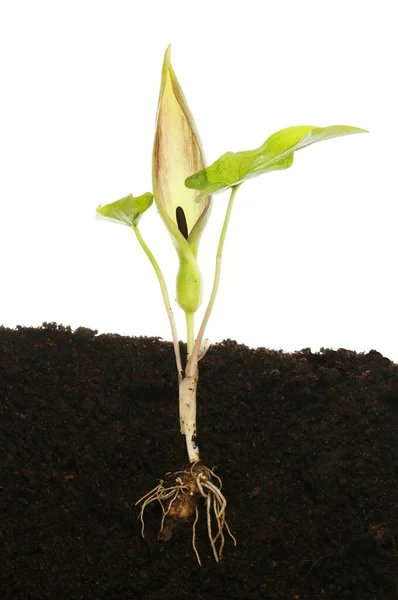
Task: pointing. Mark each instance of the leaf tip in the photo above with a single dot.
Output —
(358, 130)
(167, 55)
(166, 62)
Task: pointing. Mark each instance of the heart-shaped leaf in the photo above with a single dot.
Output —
(275, 154)
(127, 210)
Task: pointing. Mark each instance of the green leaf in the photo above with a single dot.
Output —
(127, 210)
(275, 154)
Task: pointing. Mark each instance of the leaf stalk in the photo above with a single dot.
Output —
(198, 343)
(166, 300)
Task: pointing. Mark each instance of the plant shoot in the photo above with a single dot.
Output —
(182, 187)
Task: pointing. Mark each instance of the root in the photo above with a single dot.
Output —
(180, 501)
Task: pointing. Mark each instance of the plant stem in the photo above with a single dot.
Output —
(190, 319)
(187, 399)
(195, 352)
(188, 385)
(166, 300)
(187, 394)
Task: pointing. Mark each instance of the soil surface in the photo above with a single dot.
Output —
(306, 445)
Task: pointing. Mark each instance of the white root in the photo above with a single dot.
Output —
(197, 481)
(161, 494)
(194, 536)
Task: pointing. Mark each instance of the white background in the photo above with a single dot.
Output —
(311, 255)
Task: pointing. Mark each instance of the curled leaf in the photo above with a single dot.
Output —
(177, 153)
(127, 210)
(275, 154)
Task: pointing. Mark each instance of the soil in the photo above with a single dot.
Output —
(306, 445)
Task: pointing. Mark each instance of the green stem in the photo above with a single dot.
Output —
(166, 300)
(190, 319)
(195, 352)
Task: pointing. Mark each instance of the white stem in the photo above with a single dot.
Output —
(187, 395)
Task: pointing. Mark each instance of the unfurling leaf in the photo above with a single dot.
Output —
(275, 154)
(127, 210)
(177, 153)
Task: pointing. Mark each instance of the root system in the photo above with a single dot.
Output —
(181, 500)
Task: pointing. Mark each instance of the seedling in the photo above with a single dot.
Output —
(182, 189)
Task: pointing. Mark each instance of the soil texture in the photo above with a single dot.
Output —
(306, 445)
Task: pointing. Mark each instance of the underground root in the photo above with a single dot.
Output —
(180, 501)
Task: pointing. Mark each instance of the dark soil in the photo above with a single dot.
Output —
(306, 445)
